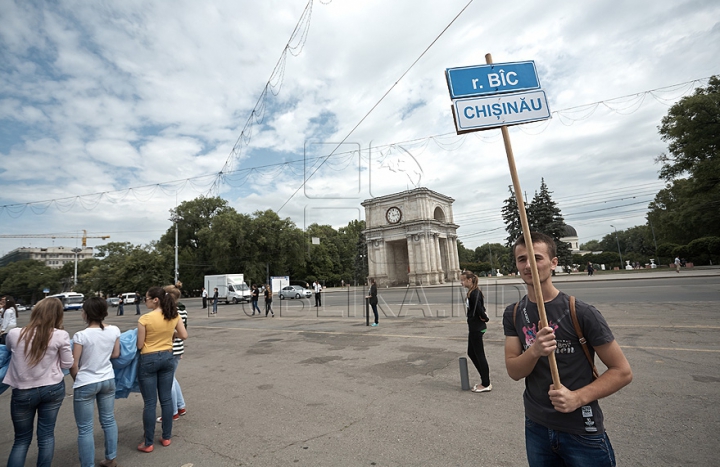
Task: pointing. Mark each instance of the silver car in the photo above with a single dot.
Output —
(294, 291)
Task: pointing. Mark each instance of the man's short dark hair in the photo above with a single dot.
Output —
(538, 237)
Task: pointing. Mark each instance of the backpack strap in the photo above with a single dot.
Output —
(583, 341)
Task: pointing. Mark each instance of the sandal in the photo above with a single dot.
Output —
(480, 388)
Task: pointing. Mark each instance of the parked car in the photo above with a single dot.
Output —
(113, 301)
(129, 298)
(20, 307)
(294, 291)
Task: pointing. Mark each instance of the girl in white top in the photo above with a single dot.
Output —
(9, 318)
(95, 381)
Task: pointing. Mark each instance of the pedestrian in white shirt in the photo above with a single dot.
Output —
(94, 378)
(9, 319)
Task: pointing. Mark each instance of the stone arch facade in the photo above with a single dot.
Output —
(411, 238)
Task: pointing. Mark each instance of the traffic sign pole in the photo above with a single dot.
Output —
(528, 241)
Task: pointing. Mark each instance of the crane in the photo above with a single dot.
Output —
(84, 236)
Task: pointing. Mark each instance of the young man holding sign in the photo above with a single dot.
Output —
(563, 426)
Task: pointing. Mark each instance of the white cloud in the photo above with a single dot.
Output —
(99, 98)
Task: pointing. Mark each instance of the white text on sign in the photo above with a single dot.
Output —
(497, 79)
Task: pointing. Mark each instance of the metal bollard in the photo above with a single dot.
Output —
(464, 379)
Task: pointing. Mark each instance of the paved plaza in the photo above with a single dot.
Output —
(311, 391)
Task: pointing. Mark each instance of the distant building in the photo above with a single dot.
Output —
(54, 257)
(571, 238)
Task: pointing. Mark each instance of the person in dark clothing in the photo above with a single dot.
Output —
(373, 299)
(215, 301)
(137, 303)
(476, 319)
(121, 306)
(254, 299)
(268, 301)
(204, 297)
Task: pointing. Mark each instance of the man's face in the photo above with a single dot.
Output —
(545, 264)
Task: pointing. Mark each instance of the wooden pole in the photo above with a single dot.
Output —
(528, 240)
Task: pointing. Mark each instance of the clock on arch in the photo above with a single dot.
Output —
(393, 215)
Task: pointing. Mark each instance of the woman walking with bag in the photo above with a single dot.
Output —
(95, 381)
(268, 301)
(476, 319)
(156, 367)
(40, 351)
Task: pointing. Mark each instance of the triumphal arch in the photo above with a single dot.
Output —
(411, 238)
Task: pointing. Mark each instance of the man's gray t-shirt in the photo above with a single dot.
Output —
(574, 368)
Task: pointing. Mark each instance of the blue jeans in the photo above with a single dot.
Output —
(155, 376)
(215, 302)
(551, 448)
(374, 309)
(46, 401)
(178, 401)
(84, 406)
(256, 307)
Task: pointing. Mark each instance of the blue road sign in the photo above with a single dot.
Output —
(492, 79)
(501, 110)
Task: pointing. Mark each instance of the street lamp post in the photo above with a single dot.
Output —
(618, 244)
(175, 218)
(76, 251)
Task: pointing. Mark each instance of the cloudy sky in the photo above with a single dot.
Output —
(113, 112)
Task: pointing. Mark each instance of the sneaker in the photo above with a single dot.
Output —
(373, 324)
(182, 411)
(175, 417)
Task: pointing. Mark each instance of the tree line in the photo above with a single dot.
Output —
(213, 238)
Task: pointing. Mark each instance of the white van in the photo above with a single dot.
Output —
(128, 298)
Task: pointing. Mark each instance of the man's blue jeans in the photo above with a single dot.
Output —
(551, 448)
(155, 376)
(84, 406)
(46, 401)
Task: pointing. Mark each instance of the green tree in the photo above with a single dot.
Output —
(689, 206)
(592, 245)
(25, 280)
(465, 255)
(193, 218)
(511, 217)
(544, 216)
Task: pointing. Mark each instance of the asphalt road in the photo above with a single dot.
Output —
(448, 300)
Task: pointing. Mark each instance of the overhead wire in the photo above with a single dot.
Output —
(201, 182)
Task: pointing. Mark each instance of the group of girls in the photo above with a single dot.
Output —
(42, 349)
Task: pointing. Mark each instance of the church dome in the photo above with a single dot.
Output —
(570, 231)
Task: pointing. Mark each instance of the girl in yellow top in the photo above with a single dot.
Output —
(156, 330)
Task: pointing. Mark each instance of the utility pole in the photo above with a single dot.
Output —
(618, 244)
(174, 219)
